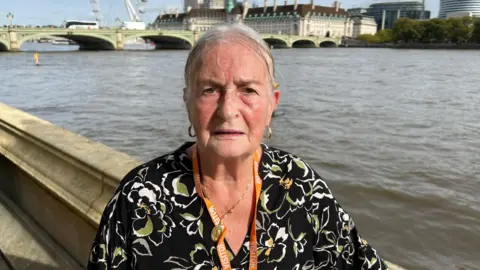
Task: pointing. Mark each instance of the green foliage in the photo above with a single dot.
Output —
(452, 30)
(368, 38)
(455, 30)
(435, 31)
(407, 30)
(383, 36)
(460, 29)
(476, 31)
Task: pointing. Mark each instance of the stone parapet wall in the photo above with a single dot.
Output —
(59, 179)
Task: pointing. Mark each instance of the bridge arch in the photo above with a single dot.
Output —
(3, 46)
(328, 44)
(168, 41)
(276, 42)
(86, 41)
(303, 43)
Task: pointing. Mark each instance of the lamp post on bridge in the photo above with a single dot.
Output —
(10, 16)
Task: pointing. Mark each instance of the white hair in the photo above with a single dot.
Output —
(229, 32)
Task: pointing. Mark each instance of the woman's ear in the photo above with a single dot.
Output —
(273, 105)
(276, 98)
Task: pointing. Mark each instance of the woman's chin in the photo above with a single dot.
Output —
(230, 148)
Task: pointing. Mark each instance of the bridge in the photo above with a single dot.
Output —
(11, 39)
(54, 186)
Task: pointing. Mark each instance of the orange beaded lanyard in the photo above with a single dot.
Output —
(220, 230)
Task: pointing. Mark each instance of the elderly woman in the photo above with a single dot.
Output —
(228, 201)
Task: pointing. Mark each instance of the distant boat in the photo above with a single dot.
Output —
(135, 41)
(44, 40)
(60, 42)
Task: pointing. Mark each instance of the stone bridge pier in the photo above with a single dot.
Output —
(12, 44)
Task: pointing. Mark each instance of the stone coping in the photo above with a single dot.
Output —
(111, 162)
(80, 172)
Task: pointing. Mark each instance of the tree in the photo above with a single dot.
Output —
(368, 38)
(476, 31)
(460, 29)
(382, 36)
(407, 30)
(385, 35)
(435, 31)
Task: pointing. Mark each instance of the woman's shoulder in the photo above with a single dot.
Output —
(157, 169)
(293, 172)
(305, 189)
(141, 202)
(277, 159)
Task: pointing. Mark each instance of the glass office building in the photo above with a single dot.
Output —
(447, 6)
(387, 13)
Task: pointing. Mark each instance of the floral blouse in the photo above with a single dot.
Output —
(156, 220)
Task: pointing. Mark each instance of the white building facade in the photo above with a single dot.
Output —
(296, 19)
(364, 25)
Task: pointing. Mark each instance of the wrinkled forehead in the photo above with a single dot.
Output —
(228, 61)
(228, 58)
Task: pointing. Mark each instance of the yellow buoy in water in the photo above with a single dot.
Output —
(35, 56)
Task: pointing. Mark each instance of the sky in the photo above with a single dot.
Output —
(45, 12)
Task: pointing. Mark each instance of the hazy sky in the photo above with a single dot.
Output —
(42, 12)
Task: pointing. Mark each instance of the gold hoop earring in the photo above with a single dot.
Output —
(270, 133)
(190, 132)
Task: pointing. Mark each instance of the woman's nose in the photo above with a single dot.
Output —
(228, 105)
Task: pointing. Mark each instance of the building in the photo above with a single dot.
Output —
(450, 6)
(386, 14)
(356, 11)
(459, 14)
(207, 4)
(215, 4)
(286, 19)
(193, 4)
(300, 19)
(363, 25)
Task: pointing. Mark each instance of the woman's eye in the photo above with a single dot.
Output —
(208, 91)
(250, 90)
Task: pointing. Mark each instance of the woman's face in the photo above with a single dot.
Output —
(230, 100)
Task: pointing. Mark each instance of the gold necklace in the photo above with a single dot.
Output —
(235, 205)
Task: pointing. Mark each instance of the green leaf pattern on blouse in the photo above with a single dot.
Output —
(299, 223)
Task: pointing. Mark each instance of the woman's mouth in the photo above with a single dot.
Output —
(227, 132)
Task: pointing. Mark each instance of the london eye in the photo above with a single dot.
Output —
(135, 10)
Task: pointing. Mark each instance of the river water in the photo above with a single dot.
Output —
(395, 133)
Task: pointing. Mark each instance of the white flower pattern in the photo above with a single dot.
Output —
(156, 218)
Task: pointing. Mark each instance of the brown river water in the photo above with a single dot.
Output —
(395, 133)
